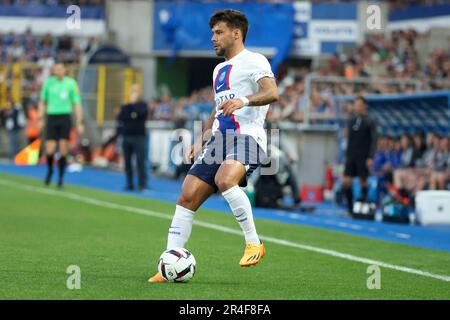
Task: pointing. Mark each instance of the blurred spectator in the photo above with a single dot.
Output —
(404, 176)
(419, 146)
(320, 101)
(32, 127)
(14, 121)
(379, 157)
(392, 56)
(151, 107)
(28, 47)
(299, 105)
(64, 43)
(423, 168)
(164, 109)
(407, 152)
(439, 165)
(45, 69)
(131, 125)
(280, 110)
(179, 114)
(396, 153)
(386, 159)
(426, 163)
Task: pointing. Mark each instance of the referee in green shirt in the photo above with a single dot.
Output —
(59, 96)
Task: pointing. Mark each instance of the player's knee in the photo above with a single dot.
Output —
(186, 201)
(50, 151)
(363, 181)
(224, 183)
(347, 182)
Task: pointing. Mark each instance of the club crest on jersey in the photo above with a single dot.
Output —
(222, 81)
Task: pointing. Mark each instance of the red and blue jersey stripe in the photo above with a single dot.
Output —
(222, 81)
(228, 123)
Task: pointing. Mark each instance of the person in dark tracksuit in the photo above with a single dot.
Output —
(360, 149)
(131, 125)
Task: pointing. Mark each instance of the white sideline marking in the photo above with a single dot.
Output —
(402, 235)
(213, 226)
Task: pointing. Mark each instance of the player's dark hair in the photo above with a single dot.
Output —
(233, 18)
(362, 99)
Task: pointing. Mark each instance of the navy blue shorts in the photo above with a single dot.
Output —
(220, 147)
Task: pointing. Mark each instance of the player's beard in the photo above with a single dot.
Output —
(221, 52)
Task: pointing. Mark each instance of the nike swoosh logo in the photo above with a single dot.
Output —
(231, 155)
(217, 88)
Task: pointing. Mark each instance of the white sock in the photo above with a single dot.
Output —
(181, 227)
(242, 210)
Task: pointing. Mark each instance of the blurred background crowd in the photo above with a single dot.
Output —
(390, 62)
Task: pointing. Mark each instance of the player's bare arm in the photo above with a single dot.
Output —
(208, 126)
(267, 93)
(42, 107)
(200, 141)
(79, 118)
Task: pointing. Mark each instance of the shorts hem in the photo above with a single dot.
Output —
(213, 185)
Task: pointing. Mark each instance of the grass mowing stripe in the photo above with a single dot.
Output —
(213, 226)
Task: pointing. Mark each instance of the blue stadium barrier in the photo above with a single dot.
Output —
(49, 11)
(271, 26)
(408, 113)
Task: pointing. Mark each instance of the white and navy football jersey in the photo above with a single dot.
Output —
(236, 78)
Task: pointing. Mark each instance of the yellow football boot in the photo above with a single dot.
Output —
(157, 278)
(252, 255)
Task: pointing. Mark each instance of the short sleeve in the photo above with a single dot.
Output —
(261, 68)
(44, 91)
(76, 98)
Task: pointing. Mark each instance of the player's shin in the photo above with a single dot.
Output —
(50, 161)
(49, 168)
(181, 227)
(62, 166)
(242, 210)
(349, 197)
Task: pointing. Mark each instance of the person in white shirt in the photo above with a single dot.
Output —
(244, 86)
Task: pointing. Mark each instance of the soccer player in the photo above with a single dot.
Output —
(59, 96)
(244, 86)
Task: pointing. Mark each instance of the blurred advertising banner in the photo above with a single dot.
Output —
(421, 17)
(321, 28)
(54, 19)
(276, 29)
(183, 27)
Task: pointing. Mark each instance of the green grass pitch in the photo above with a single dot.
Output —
(43, 232)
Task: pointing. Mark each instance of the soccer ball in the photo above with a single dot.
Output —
(177, 265)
